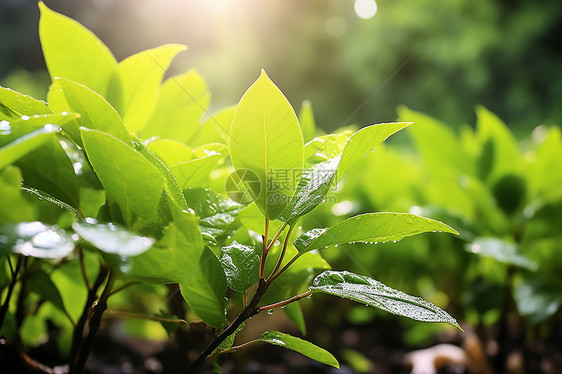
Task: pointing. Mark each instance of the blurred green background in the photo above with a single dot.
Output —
(438, 57)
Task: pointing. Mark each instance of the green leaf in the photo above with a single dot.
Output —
(180, 257)
(266, 139)
(324, 148)
(500, 250)
(48, 169)
(72, 51)
(373, 293)
(183, 99)
(537, 299)
(114, 239)
(218, 216)
(135, 84)
(241, 266)
(35, 239)
(15, 208)
(370, 228)
(364, 141)
(195, 173)
(317, 180)
(301, 346)
(499, 142)
(14, 105)
(127, 176)
(40, 283)
(425, 131)
(173, 190)
(12, 151)
(215, 127)
(306, 119)
(171, 152)
(229, 341)
(95, 112)
(545, 175)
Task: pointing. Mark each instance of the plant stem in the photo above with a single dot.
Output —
(78, 335)
(83, 267)
(277, 235)
(94, 325)
(285, 302)
(248, 312)
(272, 277)
(124, 314)
(6, 304)
(238, 347)
(265, 248)
(282, 255)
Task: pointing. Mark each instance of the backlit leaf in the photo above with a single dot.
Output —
(370, 228)
(266, 139)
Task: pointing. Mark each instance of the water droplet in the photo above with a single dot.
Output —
(308, 297)
(372, 150)
(270, 311)
(277, 243)
(336, 245)
(25, 118)
(282, 306)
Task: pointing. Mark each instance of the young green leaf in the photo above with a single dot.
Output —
(182, 100)
(180, 257)
(15, 208)
(373, 293)
(195, 173)
(95, 112)
(265, 138)
(170, 151)
(135, 84)
(301, 346)
(127, 176)
(14, 105)
(364, 141)
(229, 341)
(317, 180)
(500, 250)
(35, 239)
(241, 265)
(370, 228)
(48, 169)
(114, 239)
(40, 283)
(74, 52)
(306, 119)
(12, 151)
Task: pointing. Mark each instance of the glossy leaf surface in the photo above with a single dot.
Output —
(111, 238)
(241, 265)
(35, 239)
(373, 293)
(301, 346)
(370, 228)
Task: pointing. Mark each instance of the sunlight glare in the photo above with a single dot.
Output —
(365, 8)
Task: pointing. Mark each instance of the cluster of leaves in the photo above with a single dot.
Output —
(110, 181)
(503, 197)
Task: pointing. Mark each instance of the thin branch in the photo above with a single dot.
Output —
(10, 264)
(265, 248)
(285, 302)
(123, 314)
(274, 276)
(6, 304)
(83, 267)
(121, 288)
(282, 255)
(277, 235)
(239, 347)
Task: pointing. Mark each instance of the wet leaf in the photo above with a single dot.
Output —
(370, 228)
(301, 346)
(241, 266)
(373, 293)
(35, 239)
(114, 239)
(501, 251)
